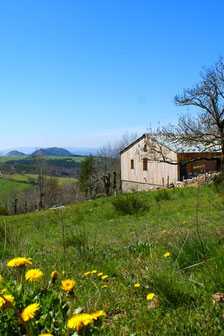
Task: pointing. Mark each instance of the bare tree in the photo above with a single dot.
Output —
(201, 133)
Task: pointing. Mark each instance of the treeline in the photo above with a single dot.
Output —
(58, 167)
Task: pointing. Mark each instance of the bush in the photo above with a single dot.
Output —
(4, 211)
(129, 204)
(162, 195)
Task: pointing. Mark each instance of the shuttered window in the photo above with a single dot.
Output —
(145, 164)
(132, 164)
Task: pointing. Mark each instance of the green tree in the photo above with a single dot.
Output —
(87, 176)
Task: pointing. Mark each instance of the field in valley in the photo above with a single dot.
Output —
(172, 249)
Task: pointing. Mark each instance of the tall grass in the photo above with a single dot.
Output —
(129, 204)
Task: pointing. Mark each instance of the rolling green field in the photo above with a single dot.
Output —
(74, 158)
(26, 177)
(170, 244)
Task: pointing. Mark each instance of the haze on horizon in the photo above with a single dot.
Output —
(82, 73)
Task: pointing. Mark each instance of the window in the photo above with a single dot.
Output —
(132, 164)
(145, 164)
(145, 148)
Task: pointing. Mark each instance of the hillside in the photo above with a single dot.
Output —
(170, 251)
(53, 151)
(15, 153)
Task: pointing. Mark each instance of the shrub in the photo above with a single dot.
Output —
(129, 204)
(162, 195)
(4, 211)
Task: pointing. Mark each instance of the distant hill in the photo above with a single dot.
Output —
(15, 153)
(53, 151)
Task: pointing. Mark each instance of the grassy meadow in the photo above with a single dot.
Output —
(163, 253)
(26, 178)
(74, 158)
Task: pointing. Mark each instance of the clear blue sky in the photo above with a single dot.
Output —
(83, 72)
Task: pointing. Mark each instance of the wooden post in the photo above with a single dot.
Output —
(163, 181)
(168, 181)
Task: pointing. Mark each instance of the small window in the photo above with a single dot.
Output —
(145, 164)
(132, 164)
(145, 148)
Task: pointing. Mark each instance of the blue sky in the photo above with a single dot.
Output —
(83, 72)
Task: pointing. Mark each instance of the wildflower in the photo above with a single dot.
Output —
(94, 271)
(167, 254)
(98, 314)
(1, 279)
(34, 275)
(150, 296)
(29, 312)
(104, 286)
(54, 276)
(63, 272)
(68, 285)
(164, 231)
(99, 274)
(3, 301)
(79, 321)
(45, 335)
(104, 277)
(87, 273)
(19, 262)
(137, 285)
(3, 291)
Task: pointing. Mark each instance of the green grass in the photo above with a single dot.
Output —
(7, 187)
(130, 249)
(26, 178)
(74, 158)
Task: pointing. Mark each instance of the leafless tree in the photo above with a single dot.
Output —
(204, 131)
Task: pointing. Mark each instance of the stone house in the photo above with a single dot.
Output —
(150, 161)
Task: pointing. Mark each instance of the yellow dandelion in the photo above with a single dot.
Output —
(34, 275)
(150, 296)
(137, 285)
(94, 271)
(3, 291)
(68, 285)
(104, 286)
(79, 321)
(19, 262)
(54, 275)
(29, 312)
(4, 301)
(164, 231)
(63, 272)
(87, 273)
(98, 314)
(167, 254)
(45, 335)
(104, 277)
(1, 279)
(99, 274)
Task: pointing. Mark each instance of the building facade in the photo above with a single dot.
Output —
(141, 169)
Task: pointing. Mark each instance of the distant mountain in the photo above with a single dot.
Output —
(74, 150)
(15, 153)
(53, 151)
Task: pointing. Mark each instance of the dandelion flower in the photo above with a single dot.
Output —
(1, 279)
(94, 271)
(167, 254)
(104, 286)
(99, 274)
(98, 314)
(3, 291)
(137, 285)
(164, 231)
(45, 335)
(79, 321)
(19, 262)
(104, 277)
(68, 285)
(54, 275)
(29, 312)
(3, 301)
(87, 273)
(150, 296)
(34, 275)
